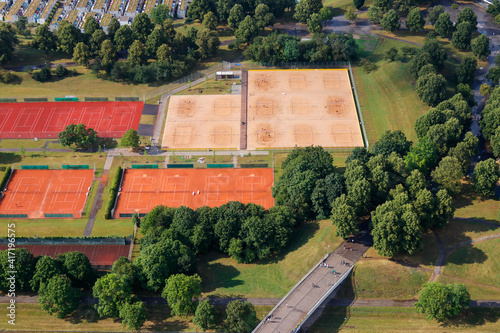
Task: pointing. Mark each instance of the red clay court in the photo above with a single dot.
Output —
(143, 189)
(46, 120)
(39, 193)
(99, 255)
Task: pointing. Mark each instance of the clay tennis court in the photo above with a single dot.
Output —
(210, 121)
(41, 192)
(99, 255)
(143, 189)
(46, 120)
(301, 107)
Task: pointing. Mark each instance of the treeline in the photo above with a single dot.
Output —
(279, 47)
(154, 53)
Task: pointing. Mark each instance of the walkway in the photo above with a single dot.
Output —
(294, 307)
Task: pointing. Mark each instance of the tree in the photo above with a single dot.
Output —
(207, 42)
(113, 27)
(375, 14)
(113, 292)
(305, 8)
(494, 74)
(462, 36)
(133, 315)
(436, 51)
(199, 8)
(422, 156)
(136, 53)
(358, 3)
(142, 26)
(383, 5)
(23, 264)
(247, 30)
(79, 136)
(441, 301)
(467, 70)
(107, 54)
(485, 90)
(44, 39)
(392, 141)
(415, 21)
(223, 9)
(344, 217)
(314, 24)
(123, 38)
(444, 27)
(21, 23)
(163, 53)
(96, 40)
(434, 13)
(263, 16)
(90, 26)
(58, 297)
(8, 41)
(349, 14)
(43, 74)
(210, 21)
(204, 316)
(130, 139)
(236, 15)
(431, 88)
(467, 15)
(448, 174)
(160, 260)
(391, 53)
(240, 317)
(68, 36)
(77, 267)
(160, 13)
(81, 55)
(485, 177)
(154, 40)
(481, 46)
(390, 21)
(180, 291)
(46, 268)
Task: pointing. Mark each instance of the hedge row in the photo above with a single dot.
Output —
(5, 178)
(113, 191)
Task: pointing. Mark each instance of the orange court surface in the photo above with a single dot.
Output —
(211, 121)
(143, 189)
(40, 192)
(301, 107)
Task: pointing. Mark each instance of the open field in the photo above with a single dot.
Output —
(402, 319)
(458, 231)
(288, 108)
(476, 291)
(470, 205)
(476, 262)
(273, 277)
(383, 279)
(387, 98)
(47, 227)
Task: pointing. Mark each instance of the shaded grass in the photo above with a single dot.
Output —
(387, 98)
(54, 160)
(470, 205)
(273, 277)
(476, 262)
(402, 319)
(383, 279)
(148, 119)
(24, 55)
(476, 291)
(26, 143)
(458, 231)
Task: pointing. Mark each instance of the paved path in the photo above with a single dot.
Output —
(294, 307)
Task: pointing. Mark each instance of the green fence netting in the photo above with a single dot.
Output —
(34, 167)
(144, 166)
(179, 166)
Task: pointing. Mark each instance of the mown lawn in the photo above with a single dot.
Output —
(476, 291)
(387, 97)
(459, 231)
(402, 319)
(273, 277)
(383, 279)
(470, 205)
(476, 262)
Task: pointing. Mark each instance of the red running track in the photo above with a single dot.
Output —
(99, 255)
(46, 120)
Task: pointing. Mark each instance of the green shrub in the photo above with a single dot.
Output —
(113, 192)
(5, 178)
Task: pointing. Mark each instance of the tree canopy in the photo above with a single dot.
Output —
(58, 297)
(78, 135)
(180, 291)
(442, 302)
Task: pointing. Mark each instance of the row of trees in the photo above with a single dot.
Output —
(277, 47)
(8, 42)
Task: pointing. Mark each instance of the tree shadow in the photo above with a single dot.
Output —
(466, 255)
(215, 275)
(83, 313)
(474, 317)
(107, 142)
(158, 316)
(9, 158)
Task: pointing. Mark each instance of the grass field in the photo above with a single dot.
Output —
(47, 227)
(387, 98)
(383, 279)
(273, 277)
(470, 205)
(476, 291)
(458, 231)
(402, 319)
(210, 87)
(476, 262)
(24, 55)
